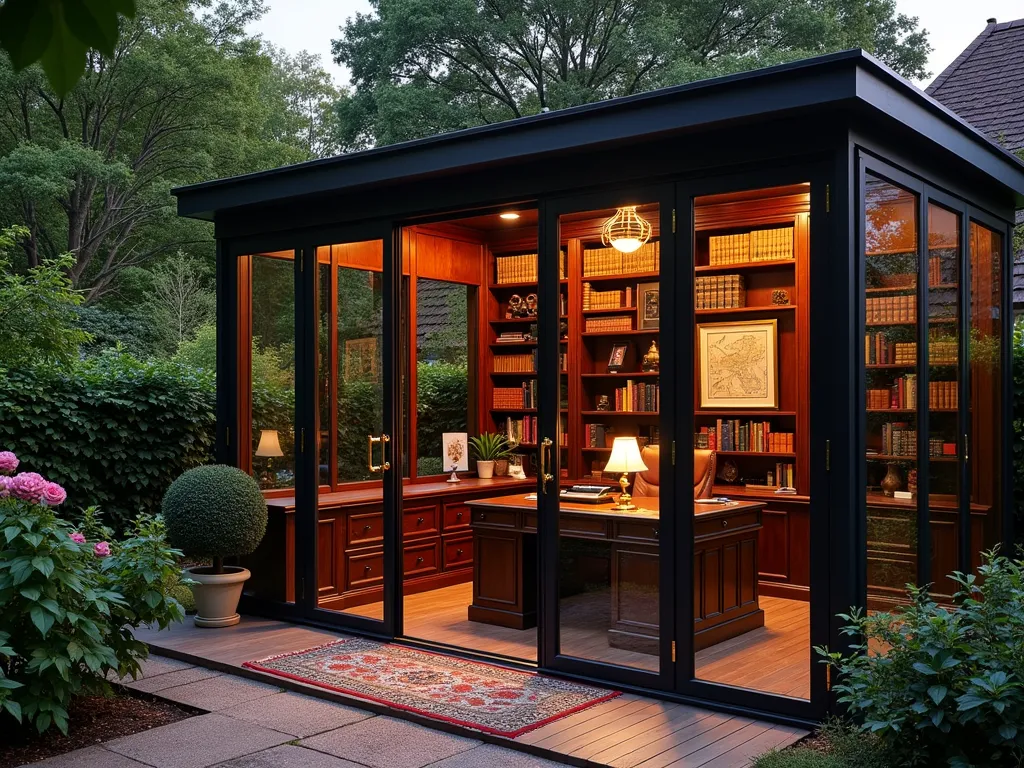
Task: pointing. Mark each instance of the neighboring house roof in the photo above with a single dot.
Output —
(985, 83)
(434, 308)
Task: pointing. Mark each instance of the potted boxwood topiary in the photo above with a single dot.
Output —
(488, 447)
(215, 512)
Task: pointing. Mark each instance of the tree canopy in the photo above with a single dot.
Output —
(421, 67)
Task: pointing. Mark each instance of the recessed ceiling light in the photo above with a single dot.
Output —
(510, 215)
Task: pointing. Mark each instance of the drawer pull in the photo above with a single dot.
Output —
(655, 532)
(419, 521)
(366, 528)
(458, 552)
(482, 515)
(366, 569)
(725, 523)
(419, 560)
(458, 515)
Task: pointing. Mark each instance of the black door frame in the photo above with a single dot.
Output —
(549, 377)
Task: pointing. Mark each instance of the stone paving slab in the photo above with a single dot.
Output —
(170, 679)
(288, 756)
(196, 742)
(90, 757)
(161, 665)
(216, 693)
(384, 742)
(295, 714)
(493, 756)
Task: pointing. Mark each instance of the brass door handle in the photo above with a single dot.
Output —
(384, 463)
(545, 458)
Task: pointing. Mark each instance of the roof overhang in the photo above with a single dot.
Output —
(850, 80)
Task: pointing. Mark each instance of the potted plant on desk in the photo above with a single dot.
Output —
(488, 448)
(215, 512)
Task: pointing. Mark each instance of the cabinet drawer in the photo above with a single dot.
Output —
(727, 524)
(456, 516)
(646, 532)
(496, 518)
(364, 569)
(419, 521)
(421, 558)
(364, 528)
(458, 553)
(584, 526)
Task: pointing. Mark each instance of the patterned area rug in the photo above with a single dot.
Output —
(485, 697)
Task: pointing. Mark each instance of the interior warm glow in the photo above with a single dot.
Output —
(509, 215)
(269, 445)
(625, 456)
(626, 244)
(626, 231)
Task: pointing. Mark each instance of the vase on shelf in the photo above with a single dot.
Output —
(892, 481)
(500, 467)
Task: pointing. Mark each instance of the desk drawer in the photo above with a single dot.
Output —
(456, 516)
(583, 526)
(458, 553)
(727, 524)
(419, 521)
(364, 528)
(495, 518)
(364, 569)
(421, 558)
(646, 532)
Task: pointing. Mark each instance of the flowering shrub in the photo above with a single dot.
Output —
(70, 603)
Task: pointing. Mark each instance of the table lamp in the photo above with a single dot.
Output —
(269, 448)
(625, 458)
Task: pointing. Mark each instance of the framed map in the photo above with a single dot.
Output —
(738, 364)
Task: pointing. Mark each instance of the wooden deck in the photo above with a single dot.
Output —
(626, 732)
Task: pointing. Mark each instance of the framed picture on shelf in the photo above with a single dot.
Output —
(738, 364)
(617, 357)
(648, 306)
(455, 450)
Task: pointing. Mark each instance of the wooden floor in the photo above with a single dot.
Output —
(626, 732)
(774, 659)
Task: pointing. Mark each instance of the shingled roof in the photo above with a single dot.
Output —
(985, 83)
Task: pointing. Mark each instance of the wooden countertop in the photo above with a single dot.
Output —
(647, 507)
(359, 496)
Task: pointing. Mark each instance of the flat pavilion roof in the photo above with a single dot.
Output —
(850, 78)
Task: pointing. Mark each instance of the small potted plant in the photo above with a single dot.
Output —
(488, 448)
(215, 512)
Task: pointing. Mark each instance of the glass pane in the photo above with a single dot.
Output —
(273, 369)
(325, 395)
(751, 562)
(943, 394)
(609, 429)
(986, 402)
(890, 357)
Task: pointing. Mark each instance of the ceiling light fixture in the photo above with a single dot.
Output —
(626, 231)
(510, 215)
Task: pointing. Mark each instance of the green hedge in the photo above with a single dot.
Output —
(442, 405)
(112, 430)
(1018, 429)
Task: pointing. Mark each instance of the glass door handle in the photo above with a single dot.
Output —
(545, 463)
(384, 463)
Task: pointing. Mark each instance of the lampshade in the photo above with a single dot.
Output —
(625, 456)
(627, 230)
(269, 445)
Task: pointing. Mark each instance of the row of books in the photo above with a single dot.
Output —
(638, 397)
(605, 324)
(596, 435)
(880, 351)
(938, 447)
(736, 435)
(902, 393)
(522, 268)
(898, 439)
(513, 337)
(784, 475)
(609, 261)
(935, 269)
(606, 299)
(522, 430)
(719, 292)
(891, 309)
(943, 394)
(520, 363)
(523, 396)
(774, 244)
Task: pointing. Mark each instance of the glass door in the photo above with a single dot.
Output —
(606, 458)
(349, 568)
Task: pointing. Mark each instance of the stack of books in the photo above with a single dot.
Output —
(596, 436)
(878, 399)
(522, 430)
(524, 396)
(751, 436)
(943, 394)
(720, 292)
(773, 244)
(637, 397)
(783, 476)
(892, 309)
(609, 261)
(605, 324)
(898, 439)
(729, 249)
(522, 268)
(942, 352)
(524, 363)
(903, 392)
(512, 337)
(606, 299)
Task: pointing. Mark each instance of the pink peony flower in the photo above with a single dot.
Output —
(5, 484)
(28, 486)
(53, 495)
(78, 538)
(102, 549)
(8, 462)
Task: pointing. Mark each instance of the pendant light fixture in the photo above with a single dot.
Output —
(626, 231)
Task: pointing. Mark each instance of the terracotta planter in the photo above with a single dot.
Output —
(217, 595)
(485, 470)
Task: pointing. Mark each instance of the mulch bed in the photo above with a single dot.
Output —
(93, 719)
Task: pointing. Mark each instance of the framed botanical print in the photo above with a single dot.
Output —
(455, 450)
(738, 364)
(648, 306)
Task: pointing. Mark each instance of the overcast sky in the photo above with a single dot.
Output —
(311, 24)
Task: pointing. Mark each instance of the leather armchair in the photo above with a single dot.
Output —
(648, 482)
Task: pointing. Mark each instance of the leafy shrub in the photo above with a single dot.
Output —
(215, 511)
(69, 606)
(110, 329)
(442, 405)
(1018, 427)
(942, 686)
(837, 744)
(112, 430)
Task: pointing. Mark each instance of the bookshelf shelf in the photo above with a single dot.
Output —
(619, 413)
(886, 457)
(513, 320)
(911, 410)
(768, 415)
(931, 321)
(746, 310)
(610, 311)
(909, 288)
(747, 266)
(779, 454)
(504, 344)
(625, 334)
(595, 449)
(634, 375)
(624, 277)
(513, 410)
(523, 374)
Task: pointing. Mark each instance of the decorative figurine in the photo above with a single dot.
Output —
(455, 475)
(531, 305)
(892, 481)
(729, 472)
(652, 360)
(603, 404)
(780, 296)
(515, 307)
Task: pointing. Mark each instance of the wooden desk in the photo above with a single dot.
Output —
(725, 573)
